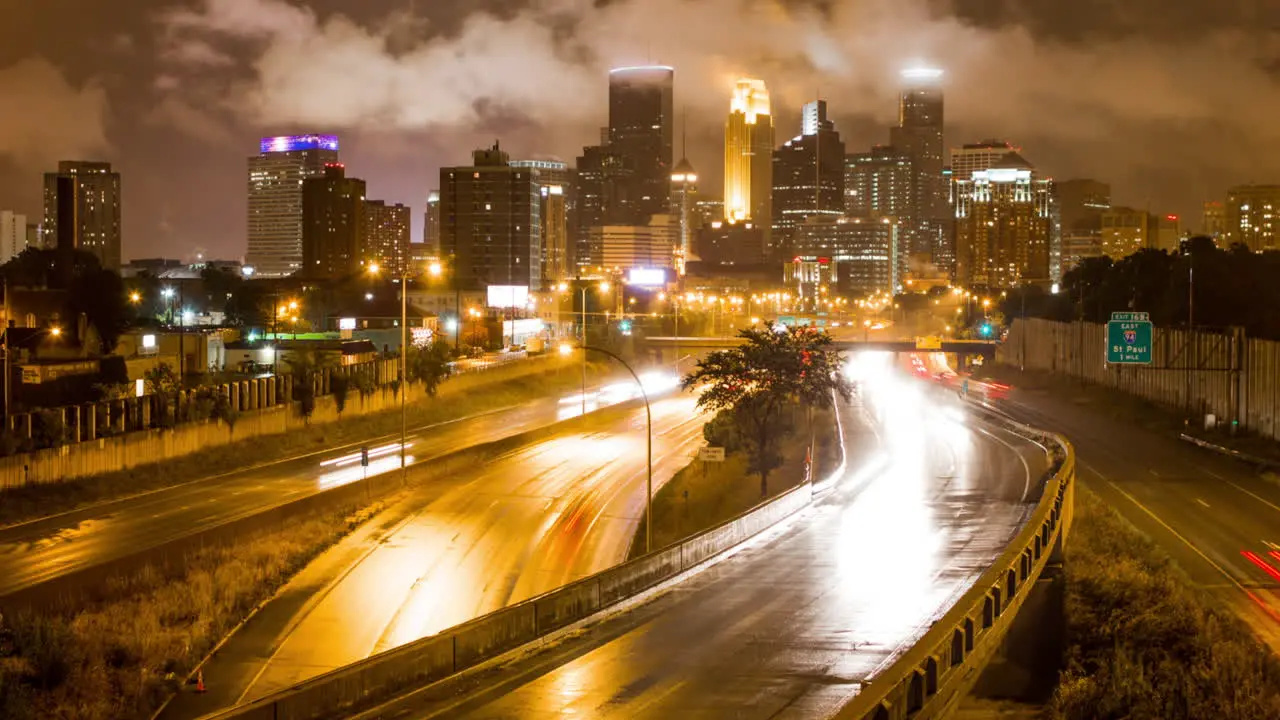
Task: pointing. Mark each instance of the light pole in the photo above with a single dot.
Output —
(404, 363)
(648, 416)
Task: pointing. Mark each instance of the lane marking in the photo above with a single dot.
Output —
(1258, 601)
(1202, 502)
(1026, 482)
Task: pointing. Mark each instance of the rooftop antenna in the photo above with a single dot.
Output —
(684, 132)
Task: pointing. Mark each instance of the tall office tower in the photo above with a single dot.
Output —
(601, 174)
(1215, 221)
(1004, 226)
(1125, 231)
(276, 175)
(1251, 217)
(491, 222)
(333, 224)
(641, 130)
(684, 198)
(651, 245)
(1164, 232)
(1080, 204)
(386, 237)
(878, 181)
(865, 250)
(555, 185)
(748, 158)
(972, 157)
(431, 225)
(97, 208)
(919, 136)
(13, 235)
(808, 174)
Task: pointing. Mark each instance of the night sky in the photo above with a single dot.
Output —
(1170, 101)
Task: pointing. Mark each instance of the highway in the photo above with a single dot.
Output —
(530, 521)
(1217, 517)
(40, 550)
(789, 627)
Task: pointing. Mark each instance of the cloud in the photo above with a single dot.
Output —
(50, 118)
(1126, 101)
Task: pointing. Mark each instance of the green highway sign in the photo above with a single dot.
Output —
(1129, 338)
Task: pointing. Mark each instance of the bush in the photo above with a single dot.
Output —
(338, 386)
(1144, 642)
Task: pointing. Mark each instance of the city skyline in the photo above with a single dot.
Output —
(150, 89)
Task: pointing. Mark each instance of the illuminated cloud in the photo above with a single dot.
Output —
(47, 118)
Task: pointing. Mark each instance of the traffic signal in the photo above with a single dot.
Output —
(985, 329)
(625, 327)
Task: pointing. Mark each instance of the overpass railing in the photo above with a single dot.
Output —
(929, 679)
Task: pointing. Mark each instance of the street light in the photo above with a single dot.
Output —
(566, 349)
(135, 297)
(404, 362)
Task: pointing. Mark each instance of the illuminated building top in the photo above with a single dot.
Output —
(294, 143)
(921, 74)
(751, 98)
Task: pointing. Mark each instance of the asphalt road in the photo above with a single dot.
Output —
(41, 550)
(1217, 517)
(530, 521)
(791, 627)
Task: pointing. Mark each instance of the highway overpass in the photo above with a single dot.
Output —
(965, 348)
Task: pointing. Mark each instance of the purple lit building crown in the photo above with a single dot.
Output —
(292, 143)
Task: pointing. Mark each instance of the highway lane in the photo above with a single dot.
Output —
(525, 523)
(40, 550)
(1217, 517)
(792, 627)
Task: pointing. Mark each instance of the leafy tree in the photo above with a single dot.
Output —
(306, 367)
(339, 384)
(429, 365)
(758, 381)
(97, 293)
(162, 381)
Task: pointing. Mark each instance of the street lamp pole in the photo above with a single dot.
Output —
(583, 331)
(404, 367)
(648, 415)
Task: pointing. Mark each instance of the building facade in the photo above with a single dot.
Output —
(601, 175)
(1214, 223)
(641, 130)
(1079, 204)
(748, 158)
(866, 250)
(919, 135)
(555, 187)
(276, 176)
(491, 222)
(96, 208)
(1251, 217)
(334, 216)
(684, 199)
(878, 181)
(1004, 226)
(13, 235)
(808, 174)
(431, 225)
(1125, 231)
(386, 237)
(640, 246)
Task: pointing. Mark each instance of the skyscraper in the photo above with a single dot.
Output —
(555, 185)
(13, 235)
(651, 245)
(1125, 231)
(1079, 204)
(601, 175)
(276, 175)
(878, 181)
(1252, 216)
(97, 208)
(431, 225)
(491, 222)
(385, 241)
(333, 224)
(1215, 221)
(919, 136)
(808, 174)
(865, 250)
(641, 131)
(748, 158)
(684, 197)
(1004, 226)
(972, 157)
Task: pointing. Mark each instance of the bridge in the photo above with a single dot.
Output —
(962, 348)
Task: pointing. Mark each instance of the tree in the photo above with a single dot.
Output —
(306, 367)
(162, 382)
(429, 365)
(757, 381)
(97, 293)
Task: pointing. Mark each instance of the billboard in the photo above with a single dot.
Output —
(294, 143)
(508, 296)
(647, 277)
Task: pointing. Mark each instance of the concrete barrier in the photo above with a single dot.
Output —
(929, 679)
(387, 674)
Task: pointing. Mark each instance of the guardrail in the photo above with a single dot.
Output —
(929, 679)
(341, 692)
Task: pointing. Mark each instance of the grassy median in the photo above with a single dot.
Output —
(44, 499)
(702, 495)
(122, 656)
(1144, 642)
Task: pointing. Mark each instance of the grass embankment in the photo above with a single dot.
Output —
(1143, 642)
(697, 498)
(123, 655)
(44, 499)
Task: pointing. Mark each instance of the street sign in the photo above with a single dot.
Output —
(364, 457)
(1129, 339)
(711, 454)
(933, 342)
